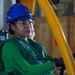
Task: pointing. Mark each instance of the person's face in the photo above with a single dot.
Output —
(23, 29)
(32, 34)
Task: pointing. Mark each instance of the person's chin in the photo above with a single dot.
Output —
(27, 35)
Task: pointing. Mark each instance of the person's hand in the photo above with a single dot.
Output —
(58, 62)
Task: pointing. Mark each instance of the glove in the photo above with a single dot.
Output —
(58, 62)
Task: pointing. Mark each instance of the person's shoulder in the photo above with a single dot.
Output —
(10, 47)
(9, 44)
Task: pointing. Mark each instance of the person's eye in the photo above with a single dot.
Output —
(30, 22)
(24, 23)
(20, 23)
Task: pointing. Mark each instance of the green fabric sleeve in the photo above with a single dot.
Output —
(13, 59)
(40, 68)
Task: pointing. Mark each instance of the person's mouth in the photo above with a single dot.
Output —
(27, 31)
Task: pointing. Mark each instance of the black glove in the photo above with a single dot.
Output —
(58, 62)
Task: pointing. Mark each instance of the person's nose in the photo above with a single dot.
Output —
(27, 26)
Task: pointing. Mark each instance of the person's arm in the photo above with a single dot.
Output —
(22, 65)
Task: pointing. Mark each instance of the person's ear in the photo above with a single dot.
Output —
(13, 27)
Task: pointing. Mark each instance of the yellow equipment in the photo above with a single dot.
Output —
(57, 30)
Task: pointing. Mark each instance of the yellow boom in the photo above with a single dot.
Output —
(57, 31)
(30, 4)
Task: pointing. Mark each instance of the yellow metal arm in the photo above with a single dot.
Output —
(57, 31)
(30, 4)
(59, 35)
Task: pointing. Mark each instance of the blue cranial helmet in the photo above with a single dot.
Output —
(18, 11)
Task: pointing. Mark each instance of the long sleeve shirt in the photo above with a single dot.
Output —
(14, 60)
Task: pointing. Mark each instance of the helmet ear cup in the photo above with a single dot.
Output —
(18, 11)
